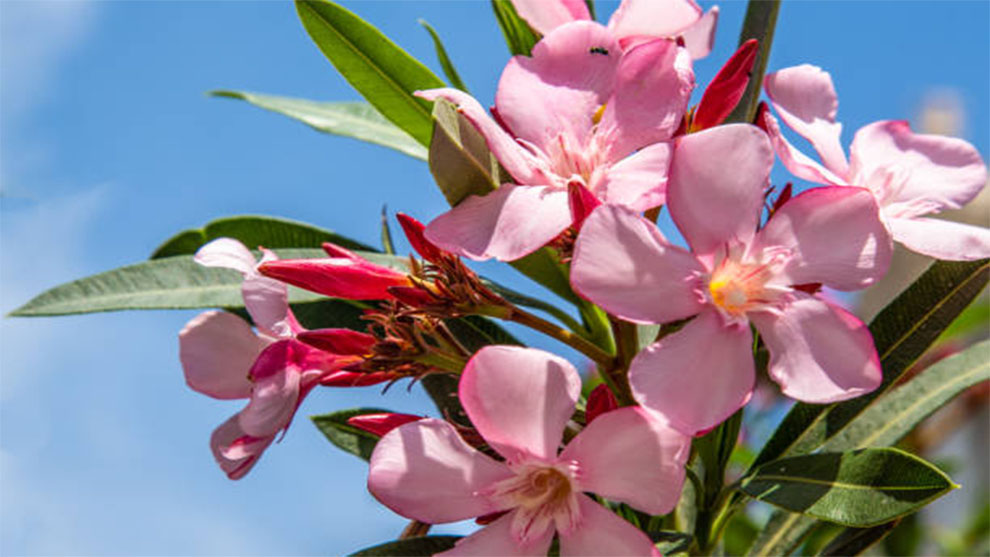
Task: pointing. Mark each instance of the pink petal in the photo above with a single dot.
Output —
(715, 189)
(806, 101)
(546, 15)
(502, 224)
(217, 349)
(819, 353)
(619, 256)
(228, 253)
(555, 93)
(942, 239)
(519, 399)
(629, 456)
(273, 403)
(698, 376)
(699, 38)
(603, 534)
(425, 471)
(235, 451)
(653, 18)
(516, 160)
(639, 181)
(496, 539)
(835, 237)
(267, 301)
(653, 84)
(915, 174)
(795, 161)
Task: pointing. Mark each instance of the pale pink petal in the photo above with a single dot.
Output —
(516, 160)
(425, 471)
(699, 38)
(546, 15)
(832, 236)
(519, 399)
(942, 239)
(553, 96)
(716, 183)
(602, 533)
(629, 456)
(795, 161)
(806, 101)
(267, 301)
(698, 376)
(235, 451)
(273, 403)
(217, 350)
(496, 540)
(819, 353)
(506, 224)
(639, 181)
(228, 253)
(915, 174)
(652, 87)
(624, 264)
(653, 18)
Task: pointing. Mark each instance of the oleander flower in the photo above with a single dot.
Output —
(520, 400)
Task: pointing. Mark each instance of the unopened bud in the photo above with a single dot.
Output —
(380, 424)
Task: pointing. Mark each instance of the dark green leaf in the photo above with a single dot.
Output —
(444, 59)
(358, 120)
(459, 157)
(519, 36)
(356, 441)
(854, 541)
(388, 246)
(861, 488)
(327, 313)
(382, 72)
(254, 231)
(413, 547)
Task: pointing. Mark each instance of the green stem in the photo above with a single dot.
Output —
(761, 19)
(579, 343)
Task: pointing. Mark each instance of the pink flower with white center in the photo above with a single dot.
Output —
(911, 175)
(735, 276)
(633, 22)
(520, 400)
(223, 358)
(579, 111)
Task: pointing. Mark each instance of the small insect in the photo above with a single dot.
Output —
(599, 50)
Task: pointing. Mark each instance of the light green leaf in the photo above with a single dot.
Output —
(443, 58)
(382, 72)
(519, 36)
(254, 231)
(388, 246)
(356, 441)
(861, 488)
(412, 547)
(358, 120)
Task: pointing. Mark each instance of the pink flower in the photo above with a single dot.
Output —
(735, 276)
(580, 110)
(911, 175)
(633, 22)
(520, 400)
(223, 358)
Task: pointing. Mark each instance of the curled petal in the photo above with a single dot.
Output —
(235, 451)
(425, 471)
(942, 239)
(519, 399)
(627, 455)
(603, 534)
(273, 404)
(497, 539)
(819, 352)
(619, 256)
(546, 15)
(653, 18)
(267, 301)
(228, 253)
(217, 350)
(697, 377)
(795, 161)
(699, 38)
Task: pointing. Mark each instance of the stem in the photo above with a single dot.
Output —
(761, 18)
(575, 341)
(415, 529)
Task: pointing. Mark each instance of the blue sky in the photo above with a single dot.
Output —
(109, 146)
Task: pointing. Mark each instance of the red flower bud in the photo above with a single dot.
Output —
(600, 400)
(582, 202)
(724, 92)
(380, 424)
(343, 342)
(414, 233)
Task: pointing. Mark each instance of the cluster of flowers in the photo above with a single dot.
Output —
(595, 131)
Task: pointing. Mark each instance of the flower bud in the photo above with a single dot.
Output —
(380, 424)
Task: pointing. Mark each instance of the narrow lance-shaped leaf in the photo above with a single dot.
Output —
(519, 36)
(412, 547)
(382, 72)
(358, 120)
(448, 67)
(388, 246)
(854, 541)
(861, 488)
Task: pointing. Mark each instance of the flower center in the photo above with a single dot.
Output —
(543, 496)
(737, 287)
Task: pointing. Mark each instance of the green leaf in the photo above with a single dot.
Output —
(860, 488)
(443, 58)
(459, 157)
(388, 246)
(254, 231)
(854, 541)
(670, 542)
(358, 120)
(382, 72)
(412, 547)
(356, 441)
(519, 36)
